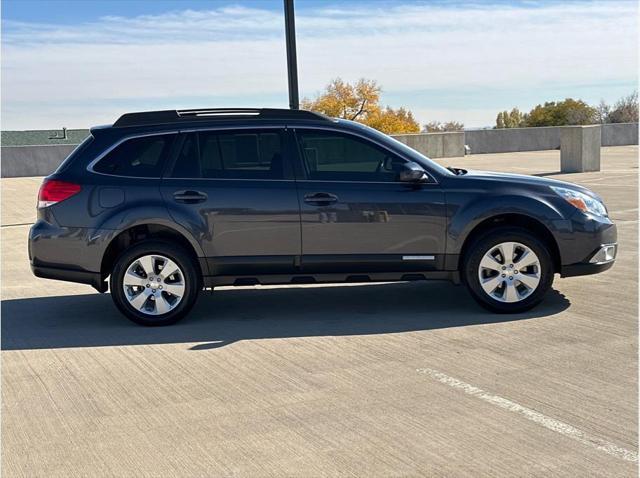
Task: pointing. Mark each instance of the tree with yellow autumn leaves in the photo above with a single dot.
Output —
(361, 102)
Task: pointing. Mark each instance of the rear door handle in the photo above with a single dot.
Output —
(320, 199)
(189, 197)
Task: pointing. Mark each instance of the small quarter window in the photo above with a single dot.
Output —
(138, 157)
(81, 148)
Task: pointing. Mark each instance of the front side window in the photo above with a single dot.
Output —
(231, 155)
(409, 153)
(333, 156)
(138, 157)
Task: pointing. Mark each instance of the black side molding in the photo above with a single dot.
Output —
(284, 279)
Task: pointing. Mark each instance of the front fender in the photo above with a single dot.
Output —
(466, 215)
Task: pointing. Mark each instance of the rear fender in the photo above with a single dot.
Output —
(116, 223)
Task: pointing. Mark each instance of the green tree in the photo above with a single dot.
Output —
(516, 119)
(562, 113)
(506, 119)
(510, 119)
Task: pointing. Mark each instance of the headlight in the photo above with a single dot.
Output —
(581, 201)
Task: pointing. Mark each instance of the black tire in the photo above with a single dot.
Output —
(186, 263)
(476, 252)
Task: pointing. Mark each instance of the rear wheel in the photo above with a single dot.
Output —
(508, 270)
(155, 283)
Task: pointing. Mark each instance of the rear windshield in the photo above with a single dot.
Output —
(74, 154)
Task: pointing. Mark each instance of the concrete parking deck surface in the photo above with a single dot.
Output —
(359, 380)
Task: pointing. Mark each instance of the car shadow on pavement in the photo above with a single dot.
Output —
(230, 315)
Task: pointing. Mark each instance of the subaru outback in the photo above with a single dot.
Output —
(164, 204)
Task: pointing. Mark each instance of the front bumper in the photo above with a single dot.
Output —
(601, 260)
(596, 247)
(588, 246)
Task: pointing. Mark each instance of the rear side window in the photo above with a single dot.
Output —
(138, 157)
(231, 155)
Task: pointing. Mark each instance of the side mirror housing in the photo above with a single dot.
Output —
(413, 173)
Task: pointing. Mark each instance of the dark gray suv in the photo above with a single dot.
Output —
(166, 203)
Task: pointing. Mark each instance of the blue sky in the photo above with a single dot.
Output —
(76, 63)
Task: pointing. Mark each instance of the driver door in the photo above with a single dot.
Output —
(355, 213)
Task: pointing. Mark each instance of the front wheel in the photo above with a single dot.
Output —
(155, 283)
(508, 270)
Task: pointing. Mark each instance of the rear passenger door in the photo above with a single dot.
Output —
(235, 191)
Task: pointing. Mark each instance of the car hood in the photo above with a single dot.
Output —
(525, 179)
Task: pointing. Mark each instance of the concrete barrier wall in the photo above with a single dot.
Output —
(512, 139)
(435, 145)
(21, 161)
(618, 134)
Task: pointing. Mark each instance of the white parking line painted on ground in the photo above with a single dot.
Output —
(547, 422)
(17, 225)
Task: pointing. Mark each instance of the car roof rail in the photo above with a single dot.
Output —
(177, 116)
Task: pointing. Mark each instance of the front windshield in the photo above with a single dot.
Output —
(408, 151)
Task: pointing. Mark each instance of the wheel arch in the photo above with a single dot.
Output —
(520, 220)
(137, 233)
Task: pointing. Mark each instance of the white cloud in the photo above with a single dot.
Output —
(237, 52)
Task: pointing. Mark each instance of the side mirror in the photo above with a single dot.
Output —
(413, 173)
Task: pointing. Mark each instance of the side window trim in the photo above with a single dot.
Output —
(292, 151)
(124, 139)
(174, 154)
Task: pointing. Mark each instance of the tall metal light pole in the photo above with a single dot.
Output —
(292, 62)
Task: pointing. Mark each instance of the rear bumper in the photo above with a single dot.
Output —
(67, 254)
(69, 275)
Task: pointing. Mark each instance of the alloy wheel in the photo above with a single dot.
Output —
(153, 284)
(509, 272)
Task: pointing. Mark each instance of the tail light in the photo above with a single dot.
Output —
(53, 191)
